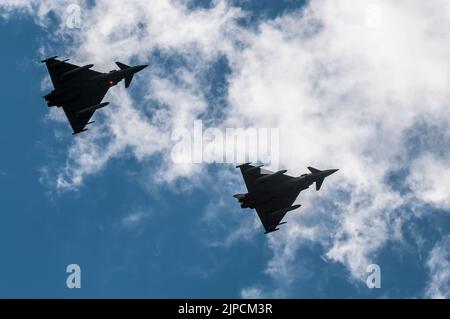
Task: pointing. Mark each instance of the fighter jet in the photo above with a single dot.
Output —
(273, 193)
(80, 90)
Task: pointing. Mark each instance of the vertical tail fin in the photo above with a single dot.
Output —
(314, 170)
(128, 78)
(122, 66)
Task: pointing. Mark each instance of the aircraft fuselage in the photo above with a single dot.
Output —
(73, 88)
(265, 192)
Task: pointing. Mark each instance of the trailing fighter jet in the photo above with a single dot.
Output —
(80, 90)
(272, 194)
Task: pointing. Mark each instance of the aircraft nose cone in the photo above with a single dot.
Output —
(331, 171)
(141, 67)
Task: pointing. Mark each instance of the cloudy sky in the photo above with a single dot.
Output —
(362, 86)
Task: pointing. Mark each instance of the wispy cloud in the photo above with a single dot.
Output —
(133, 219)
(430, 180)
(344, 81)
(252, 293)
(438, 264)
(172, 94)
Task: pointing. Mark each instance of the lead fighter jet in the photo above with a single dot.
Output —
(272, 194)
(80, 90)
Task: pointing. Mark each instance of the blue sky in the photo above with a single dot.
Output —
(138, 227)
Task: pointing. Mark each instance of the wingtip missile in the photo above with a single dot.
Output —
(79, 69)
(49, 59)
(271, 231)
(92, 108)
(285, 210)
(242, 165)
(78, 132)
(253, 168)
(58, 63)
(268, 177)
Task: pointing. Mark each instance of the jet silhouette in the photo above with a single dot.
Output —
(273, 193)
(80, 90)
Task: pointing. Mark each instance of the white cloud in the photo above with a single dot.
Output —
(344, 93)
(430, 180)
(252, 293)
(438, 264)
(133, 219)
(199, 36)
